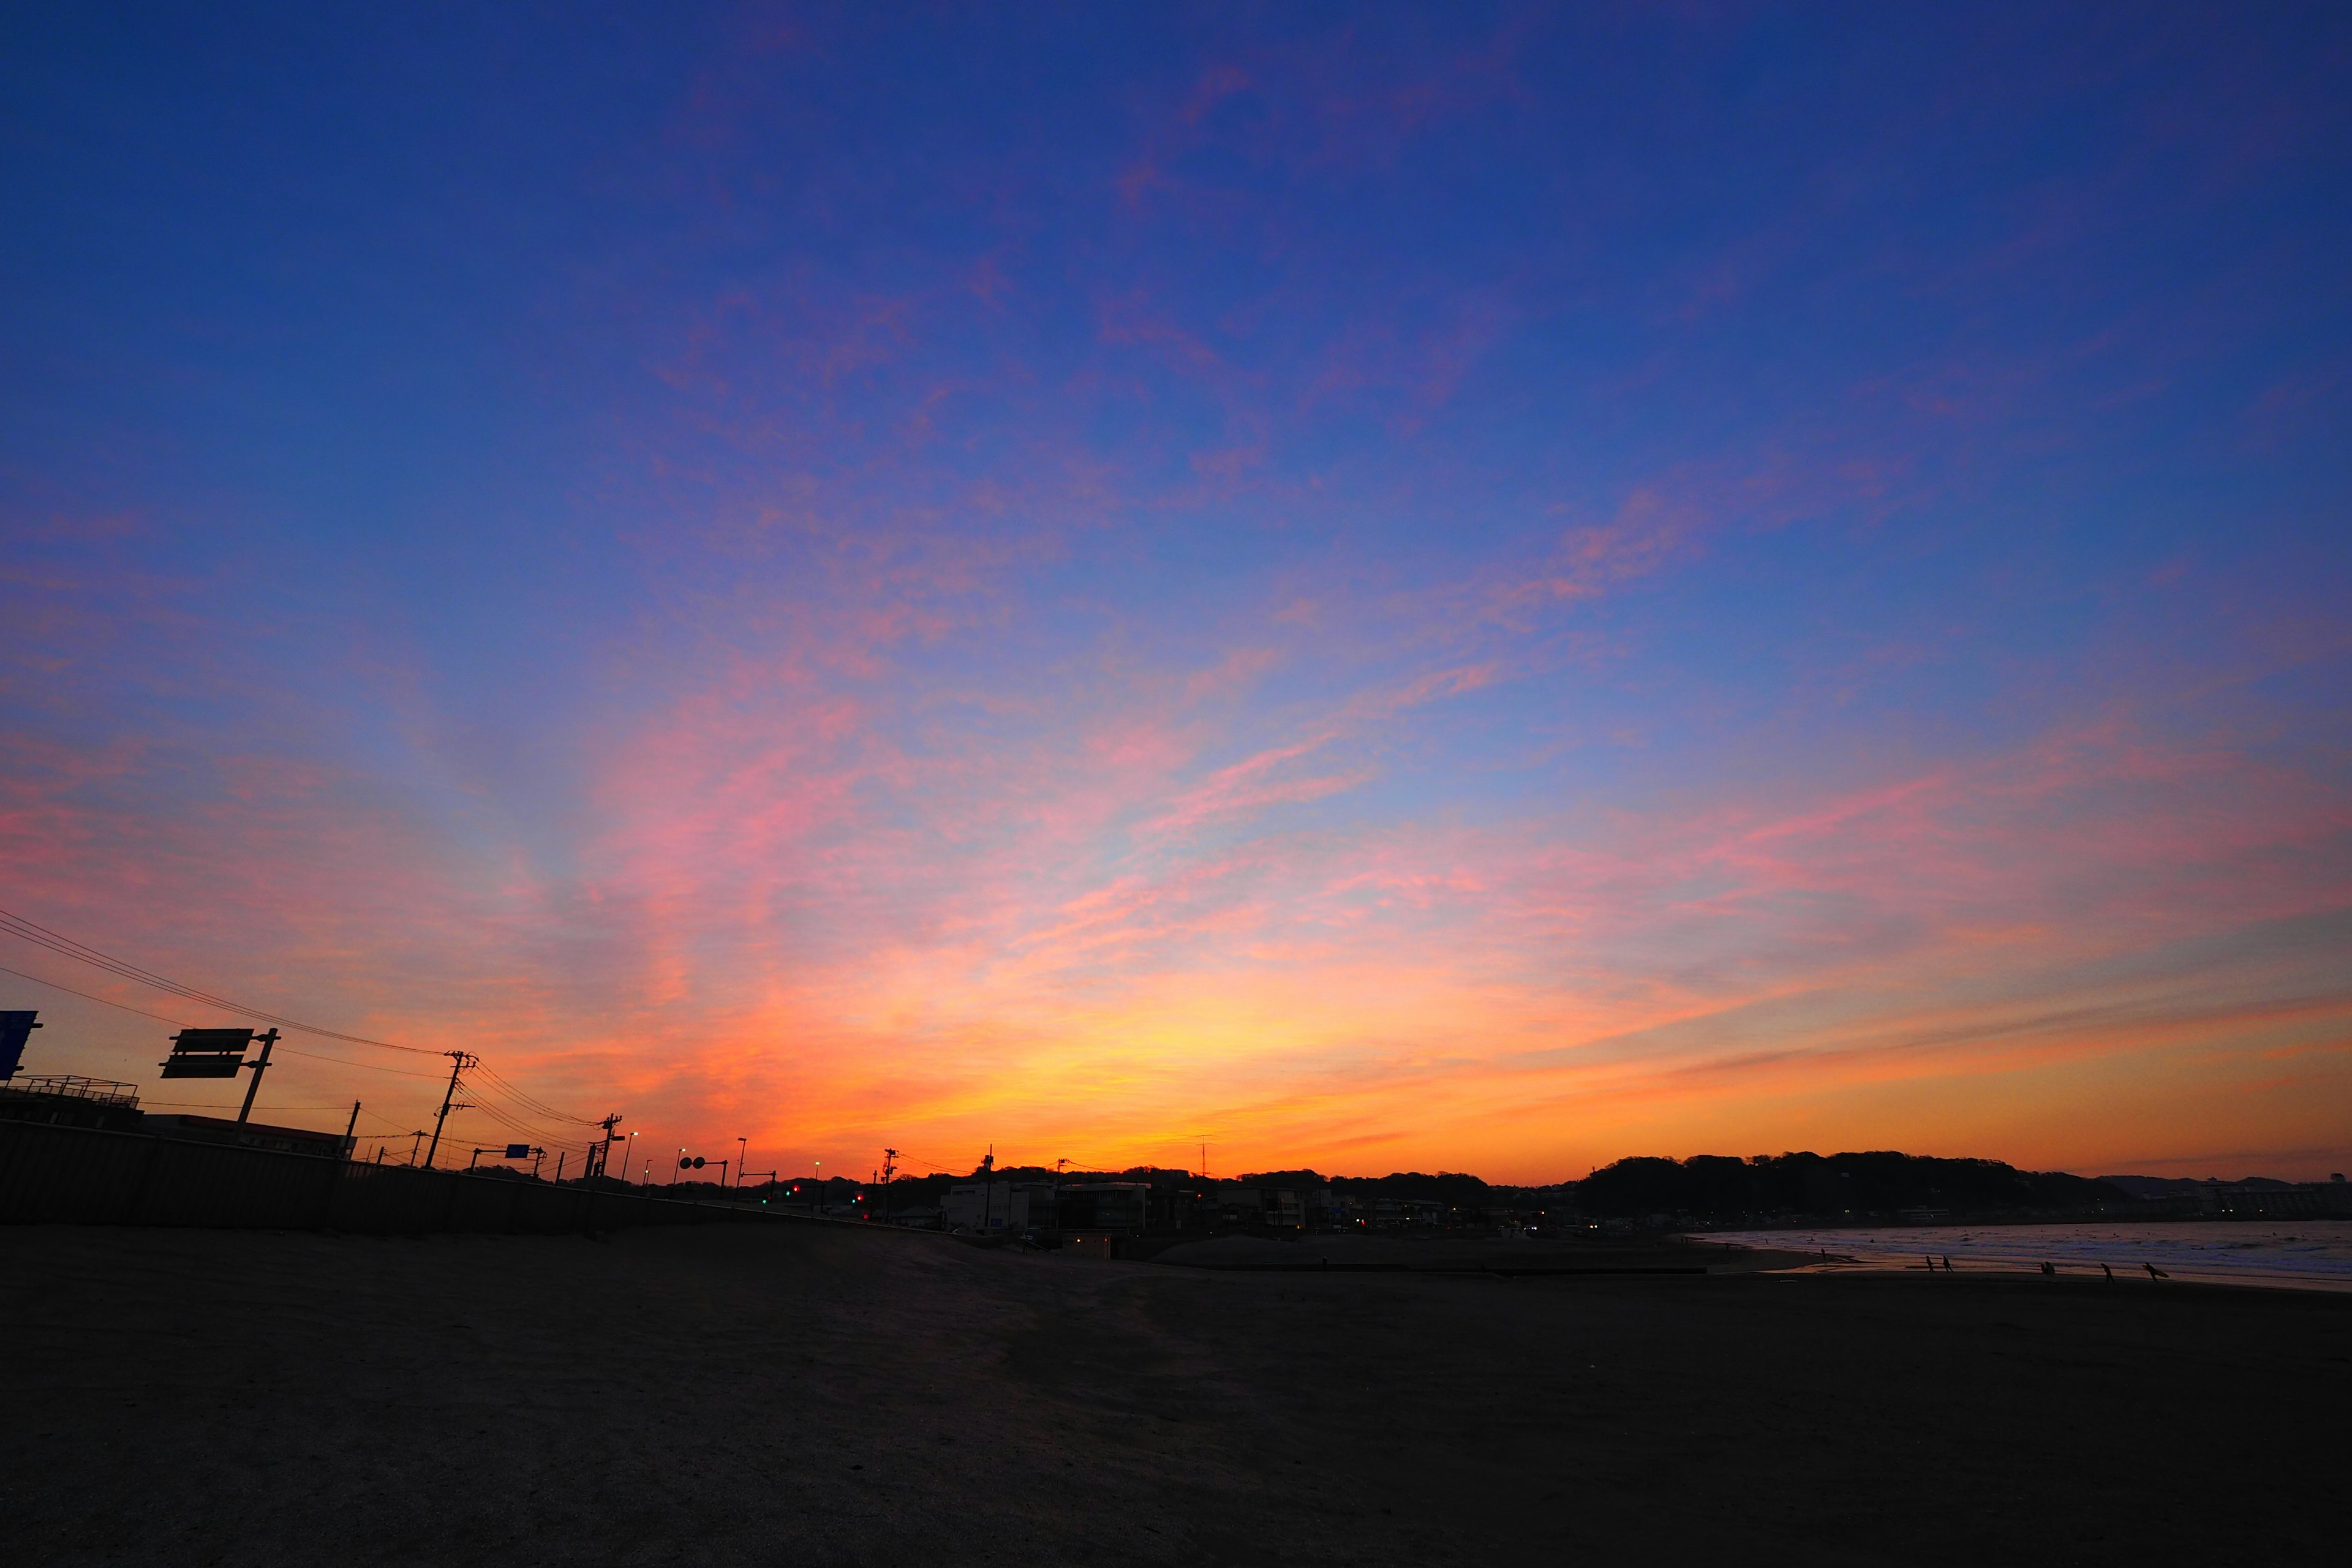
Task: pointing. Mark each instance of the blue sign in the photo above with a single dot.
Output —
(517, 1151)
(15, 1028)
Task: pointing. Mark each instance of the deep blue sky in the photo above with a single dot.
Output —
(1466, 586)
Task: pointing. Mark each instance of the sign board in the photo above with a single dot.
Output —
(202, 1067)
(212, 1040)
(207, 1053)
(517, 1151)
(15, 1028)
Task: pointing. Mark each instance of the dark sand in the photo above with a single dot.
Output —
(794, 1394)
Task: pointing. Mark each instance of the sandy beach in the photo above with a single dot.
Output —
(807, 1395)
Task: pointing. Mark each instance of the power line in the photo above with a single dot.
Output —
(506, 1116)
(82, 952)
(292, 1050)
(366, 1066)
(41, 936)
(88, 996)
(206, 1105)
(516, 1092)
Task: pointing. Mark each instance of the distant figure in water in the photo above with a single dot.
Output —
(2153, 1272)
(2107, 1271)
(2050, 1269)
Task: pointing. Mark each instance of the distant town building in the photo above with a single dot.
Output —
(1105, 1208)
(2306, 1199)
(1008, 1206)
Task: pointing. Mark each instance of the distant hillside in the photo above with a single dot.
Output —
(2183, 1186)
(1719, 1186)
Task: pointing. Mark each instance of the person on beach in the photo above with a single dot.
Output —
(2153, 1272)
(2109, 1272)
(1947, 1263)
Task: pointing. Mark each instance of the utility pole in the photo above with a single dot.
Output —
(742, 1153)
(889, 1171)
(602, 1154)
(987, 1188)
(459, 1062)
(352, 1127)
(258, 1067)
(414, 1142)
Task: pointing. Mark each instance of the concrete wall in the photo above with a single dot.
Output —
(79, 1175)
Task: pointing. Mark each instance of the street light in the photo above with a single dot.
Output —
(742, 1155)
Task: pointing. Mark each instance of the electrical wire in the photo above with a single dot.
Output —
(506, 1115)
(515, 1092)
(88, 996)
(347, 1062)
(55, 942)
(42, 936)
(199, 1105)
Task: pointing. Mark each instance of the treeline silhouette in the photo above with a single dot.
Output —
(1457, 1188)
(1705, 1186)
(1723, 1187)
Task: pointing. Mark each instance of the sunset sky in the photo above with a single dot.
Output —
(1442, 587)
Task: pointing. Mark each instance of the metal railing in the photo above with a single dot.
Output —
(72, 1086)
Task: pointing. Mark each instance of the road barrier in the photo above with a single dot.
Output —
(81, 1175)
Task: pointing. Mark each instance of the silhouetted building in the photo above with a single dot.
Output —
(2303, 1200)
(1105, 1208)
(989, 1207)
(249, 1135)
(66, 1100)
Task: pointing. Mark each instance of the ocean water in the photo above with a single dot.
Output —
(2302, 1254)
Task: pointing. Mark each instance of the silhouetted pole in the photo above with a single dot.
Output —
(348, 1128)
(258, 1067)
(459, 1062)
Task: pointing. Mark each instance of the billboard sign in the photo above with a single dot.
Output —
(207, 1053)
(15, 1028)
